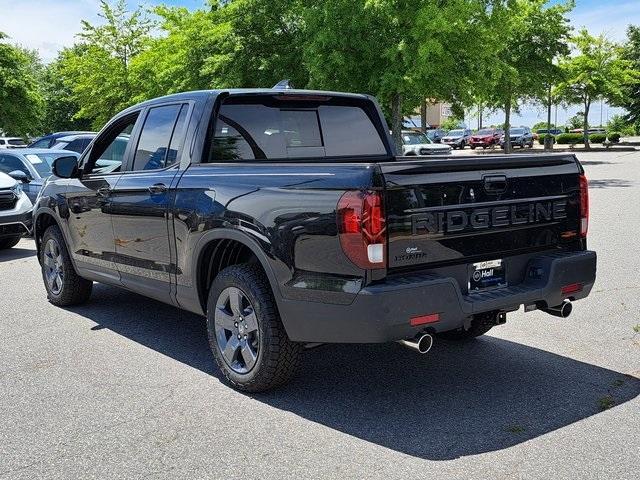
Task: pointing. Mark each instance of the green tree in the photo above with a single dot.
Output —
(621, 124)
(532, 35)
(20, 99)
(631, 93)
(578, 121)
(61, 110)
(99, 73)
(401, 51)
(596, 70)
(541, 125)
(184, 56)
(451, 123)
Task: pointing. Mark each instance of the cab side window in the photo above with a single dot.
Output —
(107, 154)
(161, 138)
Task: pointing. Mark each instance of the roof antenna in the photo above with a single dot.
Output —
(283, 85)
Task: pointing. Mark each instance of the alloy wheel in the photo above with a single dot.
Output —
(53, 266)
(236, 327)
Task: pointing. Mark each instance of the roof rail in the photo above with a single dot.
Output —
(283, 85)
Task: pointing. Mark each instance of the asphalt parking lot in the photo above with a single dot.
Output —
(125, 387)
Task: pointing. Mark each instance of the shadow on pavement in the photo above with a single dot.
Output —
(461, 399)
(16, 253)
(610, 183)
(597, 162)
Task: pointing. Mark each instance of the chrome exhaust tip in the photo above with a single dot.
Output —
(421, 344)
(563, 310)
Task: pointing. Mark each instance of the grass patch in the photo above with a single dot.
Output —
(515, 428)
(606, 402)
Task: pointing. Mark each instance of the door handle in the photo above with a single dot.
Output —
(103, 191)
(157, 188)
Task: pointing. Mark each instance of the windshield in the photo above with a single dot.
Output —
(42, 162)
(414, 138)
(516, 131)
(485, 131)
(455, 133)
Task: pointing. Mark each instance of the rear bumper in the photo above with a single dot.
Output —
(381, 313)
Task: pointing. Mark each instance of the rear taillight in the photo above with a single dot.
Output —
(361, 228)
(584, 206)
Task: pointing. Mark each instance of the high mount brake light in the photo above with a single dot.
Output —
(584, 206)
(361, 228)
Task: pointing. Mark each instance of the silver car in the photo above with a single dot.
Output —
(30, 166)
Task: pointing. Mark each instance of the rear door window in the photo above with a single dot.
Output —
(289, 129)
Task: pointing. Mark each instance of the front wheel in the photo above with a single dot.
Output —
(64, 286)
(9, 242)
(246, 335)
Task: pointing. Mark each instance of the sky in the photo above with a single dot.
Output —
(49, 25)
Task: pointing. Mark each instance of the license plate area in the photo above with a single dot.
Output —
(487, 275)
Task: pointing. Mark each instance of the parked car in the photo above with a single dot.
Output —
(15, 212)
(553, 131)
(418, 144)
(458, 138)
(436, 134)
(48, 141)
(31, 166)
(485, 137)
(520, 136)
(12, 142)
(251, 217)
(74, 143)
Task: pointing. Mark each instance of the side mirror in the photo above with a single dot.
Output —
(65, 167)
(20, 176)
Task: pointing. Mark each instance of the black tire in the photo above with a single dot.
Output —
(73, 289)
(277, 359)
(9, 242)
(473, 147)
(477, 329)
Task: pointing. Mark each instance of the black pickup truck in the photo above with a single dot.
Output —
(285, 218)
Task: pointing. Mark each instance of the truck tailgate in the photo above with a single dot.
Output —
(457, 210)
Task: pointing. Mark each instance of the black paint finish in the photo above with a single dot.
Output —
(152, 231)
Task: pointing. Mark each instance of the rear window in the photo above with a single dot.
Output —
(17, 142)
(274, 129)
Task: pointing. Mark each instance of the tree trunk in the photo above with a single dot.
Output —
(507, 125)
(548, 142)
(585, 125)
(396, 121)
(423, 116)
(479, 116)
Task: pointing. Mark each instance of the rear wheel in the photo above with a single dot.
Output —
(9, 242)
(64, 286)
(245, 332)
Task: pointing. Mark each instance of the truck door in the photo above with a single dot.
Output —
(140, 203)
(88, 201)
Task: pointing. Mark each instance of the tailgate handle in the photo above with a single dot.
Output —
(495, 184)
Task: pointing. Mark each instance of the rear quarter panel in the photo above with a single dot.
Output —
(288, 210)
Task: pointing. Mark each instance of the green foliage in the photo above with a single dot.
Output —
(631, 91)
(531, 33)
(542, 136)
(596, 70)
(541, 125)
(578, 121)
(569, 138)
(451, 123)
(597, 137)
(99, 69)
(618, 123)
(60, 107)
(401, 51)
(614, 137)
(20, 97)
